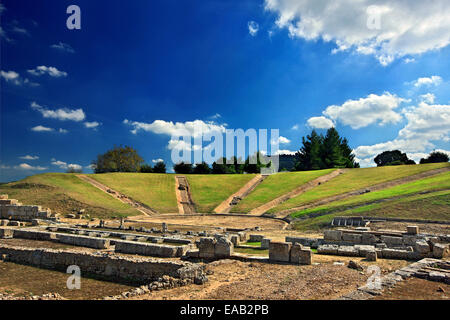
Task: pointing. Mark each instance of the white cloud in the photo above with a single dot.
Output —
(281, 140)
(63, 165)
(25, 166)
(295, 127)
(194, 128)
(253, 28)
(428, 98)
(61, 130)
(216, 116)
(11, 76)
(406, 28)
(28, 157)
(288, 152)
(20, 30)
(157, 160)
(366, 111)
(320, 123)
(41, 129)
(51, 71)
(60, 114)
(91, 125)
(409, 60)
(427, 81)
(63, 47)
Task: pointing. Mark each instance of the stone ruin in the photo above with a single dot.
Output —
(362, 242)
(12, 209)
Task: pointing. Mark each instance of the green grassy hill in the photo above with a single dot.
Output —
(355, 179)
(276, 185)
(154, 190)
(64, 194)
(208, 191)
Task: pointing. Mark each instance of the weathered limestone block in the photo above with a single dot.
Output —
(368, 238)
(409, 240)
(243, 236)
(351, 237)
(279, 251)
(371, 255)
(348, 251)
(363, 249)
(206, 246)
(6, 233)
(332, 235)
(223, 248)
(34, 235)
(328, 249)
(395, 254)
(412, 230)
(83, 241)
(300, 254)
(392, 241)
(422, 247)
(441, 250)
(265, 243)
(235, 239)
(148, 249)
(256, 238)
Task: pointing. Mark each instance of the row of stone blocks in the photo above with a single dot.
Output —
(143, 270)
(288, 252)
(13, 209)
(214, 248)
(148, 249)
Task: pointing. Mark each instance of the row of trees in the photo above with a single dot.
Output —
(396, 157)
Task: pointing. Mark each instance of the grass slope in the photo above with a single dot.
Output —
(276, 185)
(208, 191)
(355, 179)
(433, 206)
(152, 189)
(65, 193)
(430, 184)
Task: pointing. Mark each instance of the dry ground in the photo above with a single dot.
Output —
(417, 289)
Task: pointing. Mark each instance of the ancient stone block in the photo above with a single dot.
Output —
(371, 255)
(422, 247)
(412, 229)
(409, 240)
(351, 237)
(363, 249)
(265, 243)
(395, 254)
(300, 254)
(6, 233)
(243, 236)
(279, 251)
(223, 248)
(256, 238)
(328, 249)
(206, 247)
(368, 238)
(332, 235)
(348, 251)
(392, 241)
(235, 239)
(441, 250)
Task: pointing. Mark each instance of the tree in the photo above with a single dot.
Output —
(435, 157)
(118, 159)
(160, 167)
(183, 168)
(145, 168)
(319, 152)
(220, 168)
(74, 170)
(253, 163)
(392, 158)
(202, 168)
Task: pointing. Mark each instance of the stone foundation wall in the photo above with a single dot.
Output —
(288, 252)
(148, 249)
(13, 209)
(142, 270)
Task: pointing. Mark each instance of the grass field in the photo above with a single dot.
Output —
(276, 185)
(434, 206)
(208, 191)
(355, 179)
(434, 183)
(154, 190)
(65, 193)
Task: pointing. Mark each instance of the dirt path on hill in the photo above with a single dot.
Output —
(380, 186)
(117, 195)
(234, 199)
(184, 199)
(303, 188)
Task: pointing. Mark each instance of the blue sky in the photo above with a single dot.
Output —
(285, 64)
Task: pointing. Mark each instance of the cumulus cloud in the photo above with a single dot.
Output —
(157, 160)
(428, 98)
(61, 46)
(382, 28)
(253, 28)
(366, 111)
(320, 123)
(92, 125)
(427, 81)
(51, 71)
(28, 157)
(281, 140)
(41, 129)
(15, 78)
(64, 165)
(25, 166)
(60, 114)
(285, 152)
